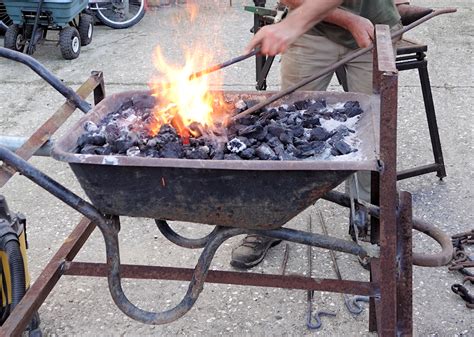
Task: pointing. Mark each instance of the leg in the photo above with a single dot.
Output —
(308, 55)
(305, 57)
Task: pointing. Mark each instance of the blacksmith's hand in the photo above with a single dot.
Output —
(274, 39)
(362, 30)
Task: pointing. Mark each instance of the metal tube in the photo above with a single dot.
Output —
(53, 187)
(313, 239)
(45, 74)
(223, 64)
(181, 241)
(14, 143)
(31, 45)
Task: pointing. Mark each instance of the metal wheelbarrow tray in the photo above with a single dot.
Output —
(246, 194)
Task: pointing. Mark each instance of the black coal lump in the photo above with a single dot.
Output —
(172, 150)
(199, 153)
(121, 145)
(247, 153)
(251, 130)
(311, 149)
(339, 133)
(337, 116)
(152, 153)
(319, 133)
(297, 130)
(352, 109)
(265, 152)
(276, 129)
(91, 139)
(302, 105)
(90, 149)
(266, 116)
(274, 142)
(342, 147)
(317, 106)
(286, 137)
(310, 122)
(248, 120)
(261, 134)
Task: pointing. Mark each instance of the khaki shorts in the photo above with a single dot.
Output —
(311, 54)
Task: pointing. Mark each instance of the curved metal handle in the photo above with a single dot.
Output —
(49, 77)
(195, 286)
(180, 240)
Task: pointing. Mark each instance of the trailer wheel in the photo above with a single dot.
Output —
(14, 38)
(86, 28)
(70, 43)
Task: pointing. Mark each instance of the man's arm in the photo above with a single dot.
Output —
(275, 39)
(361, 28)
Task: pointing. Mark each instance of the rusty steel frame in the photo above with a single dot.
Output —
(40, 289)
(390, 286)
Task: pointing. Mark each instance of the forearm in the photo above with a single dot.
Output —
(310, 12)
(341, 18)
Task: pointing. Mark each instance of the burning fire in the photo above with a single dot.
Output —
(180, 99)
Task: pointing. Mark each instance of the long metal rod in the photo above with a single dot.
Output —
(225, 277)
(223, 64)
(14, 143)
(336, 65)
(49, 77)
(31, 45)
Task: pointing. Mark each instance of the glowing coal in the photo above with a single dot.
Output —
(307, 129)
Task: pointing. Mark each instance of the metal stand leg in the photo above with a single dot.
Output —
(31, 45)
(405, 266)
(431, 117)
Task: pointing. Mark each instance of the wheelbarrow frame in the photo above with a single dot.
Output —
(390, 286)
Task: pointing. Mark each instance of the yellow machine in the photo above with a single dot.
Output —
(14, 275)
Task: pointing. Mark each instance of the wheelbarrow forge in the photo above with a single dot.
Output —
(385, 289)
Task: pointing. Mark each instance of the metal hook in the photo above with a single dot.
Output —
(317, 316)
(353, 304)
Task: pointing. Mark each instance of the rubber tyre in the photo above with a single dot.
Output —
(110, 22)
(86, 28)
(12, 38)
(70, 43)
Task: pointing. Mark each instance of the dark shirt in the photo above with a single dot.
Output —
(377, 11)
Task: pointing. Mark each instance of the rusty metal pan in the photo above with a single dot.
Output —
(366, 129)
(246, 194)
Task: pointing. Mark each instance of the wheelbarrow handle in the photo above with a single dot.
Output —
(49, 77)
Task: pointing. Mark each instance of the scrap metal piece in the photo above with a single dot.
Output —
(462, 291)
(310, 293)
(317, 317)
(285, 259)
(352, 304)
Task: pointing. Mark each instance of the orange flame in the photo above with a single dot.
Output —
(179, 98)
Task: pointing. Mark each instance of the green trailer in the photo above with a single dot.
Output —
(33, 18)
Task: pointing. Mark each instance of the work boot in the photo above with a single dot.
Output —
(410, 13)
(251, 251)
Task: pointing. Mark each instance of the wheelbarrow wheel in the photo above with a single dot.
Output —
(86, 28)
(14, 38)
(70, 43)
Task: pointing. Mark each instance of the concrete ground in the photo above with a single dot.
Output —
(83, 306)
